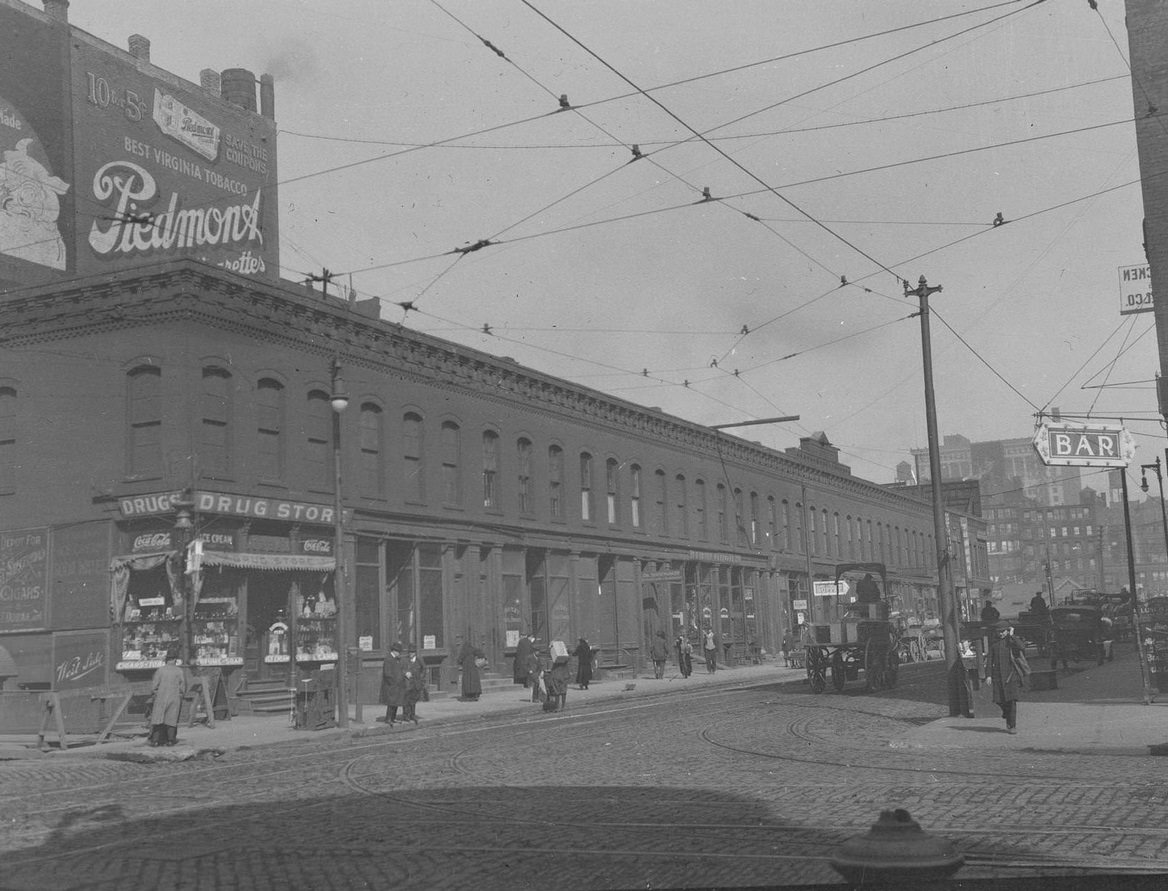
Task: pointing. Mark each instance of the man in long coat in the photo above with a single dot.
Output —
(169, 686)
(1008, 672)
(522, 657)
(393, 683)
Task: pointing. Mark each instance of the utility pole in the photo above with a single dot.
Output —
(960, 694)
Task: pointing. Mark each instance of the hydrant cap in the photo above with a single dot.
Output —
(896, 848)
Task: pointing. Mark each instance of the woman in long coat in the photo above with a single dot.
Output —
(169, 685)
(1008, 672)
(393, 683)
(522, 654)
(472, 685)
(583, 654)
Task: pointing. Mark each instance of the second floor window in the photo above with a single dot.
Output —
(490, 470)
(144, 408)
(612, 488)
(215, 430)
(556, 482)
(635, 496)
(318, 437)
(412, 475)
(451, 459)
(585, 487)
(371, 434)
(523, 454)
(270, 429)
(7, 440)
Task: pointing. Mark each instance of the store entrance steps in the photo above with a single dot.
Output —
(263, 698)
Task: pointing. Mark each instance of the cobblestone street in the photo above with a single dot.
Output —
(730, 786)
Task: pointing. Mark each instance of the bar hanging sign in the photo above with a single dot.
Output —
(1071, 445)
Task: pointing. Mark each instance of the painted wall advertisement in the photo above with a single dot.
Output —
(23, 565)
(168, 172)
(35, 201)
(106, 164)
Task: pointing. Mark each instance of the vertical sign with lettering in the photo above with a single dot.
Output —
(80, 659)
(23, 565)
(81, 578)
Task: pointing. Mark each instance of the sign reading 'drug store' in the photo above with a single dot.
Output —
(235, 505)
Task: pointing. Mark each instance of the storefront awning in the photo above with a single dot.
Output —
(277, 562)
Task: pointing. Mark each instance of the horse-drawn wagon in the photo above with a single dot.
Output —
(864, 642)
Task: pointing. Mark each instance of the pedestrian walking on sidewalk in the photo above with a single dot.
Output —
(523, 650)
(393, 683)
(684, 656)
(1008, 672)
(785, 646)
(469, 657)
(169, 686)
(583, 654)
(659, 653)
(535, 673)
(415, 684)
(710, 649)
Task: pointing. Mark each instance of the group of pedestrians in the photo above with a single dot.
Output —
(403, 683)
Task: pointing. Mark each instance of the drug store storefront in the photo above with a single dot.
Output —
(237, 583)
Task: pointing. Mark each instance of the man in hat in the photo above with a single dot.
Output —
(523, 651)
(415, 684)
(169, 686)
(1008, 672)
(393, 683)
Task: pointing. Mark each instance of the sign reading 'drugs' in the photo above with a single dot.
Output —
(237, 505)
(1082, 446)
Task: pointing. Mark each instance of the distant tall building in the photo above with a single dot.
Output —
(1009, 471)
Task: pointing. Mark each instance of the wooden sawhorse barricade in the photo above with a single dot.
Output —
(53, 714)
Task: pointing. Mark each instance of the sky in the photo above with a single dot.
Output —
(847, 147)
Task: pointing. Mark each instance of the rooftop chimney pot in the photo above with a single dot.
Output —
(57, 10)
(139, 47)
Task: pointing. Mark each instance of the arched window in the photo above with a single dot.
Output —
(754, 519)
(270, 451)
(371, 436)
(451, 447)
(586, 487)
(682, 524)
(739, 518)
(490, 470)
(612, 489)
(723, 508)
(813, 533)
(215, 427)
(700, 509)
(635, 495)
(772, 522)
(318, 436)
(556, 482)
(661, 504)
(523, 457)
(144, 413)
(413, 475)
(785, 537)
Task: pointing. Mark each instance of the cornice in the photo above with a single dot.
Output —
(284, 314)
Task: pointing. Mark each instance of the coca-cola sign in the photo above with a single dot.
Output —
(320, 546)
(150, 541)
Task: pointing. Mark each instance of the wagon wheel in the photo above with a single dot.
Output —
(816, 669)
(838, 671)
(875, 663)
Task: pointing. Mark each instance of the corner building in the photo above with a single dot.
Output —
(146, 410)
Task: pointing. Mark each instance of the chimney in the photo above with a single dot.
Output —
(139, 47)
(209, 80)
(57, 10)
(239, 87)
(268, 96)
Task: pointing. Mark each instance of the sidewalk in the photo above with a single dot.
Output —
(249, 731)
(1096, 710)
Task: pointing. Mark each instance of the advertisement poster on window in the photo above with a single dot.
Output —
(23, 572)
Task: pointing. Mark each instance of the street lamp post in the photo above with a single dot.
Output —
(339, 399)
(1155, 467)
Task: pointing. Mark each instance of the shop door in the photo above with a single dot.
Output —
(267, 605)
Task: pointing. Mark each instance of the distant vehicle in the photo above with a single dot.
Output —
(1077, 635)
(865, 641)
